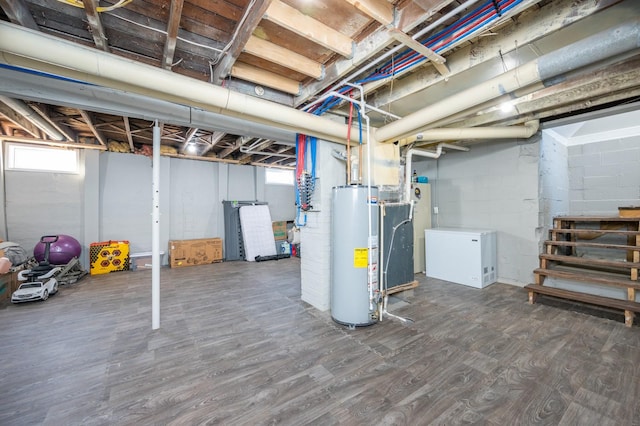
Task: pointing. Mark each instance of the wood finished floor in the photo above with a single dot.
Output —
(237, 346)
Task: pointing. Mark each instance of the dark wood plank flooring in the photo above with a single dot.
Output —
(237, 346)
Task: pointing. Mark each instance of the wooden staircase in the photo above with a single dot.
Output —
(592, 249)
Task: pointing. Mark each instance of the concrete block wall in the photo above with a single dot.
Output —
(604, 176)
(554, 182)
(315, 236)
(493, 186)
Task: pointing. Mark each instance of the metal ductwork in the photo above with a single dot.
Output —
(33, 117)
(602, 46)
(63, 58)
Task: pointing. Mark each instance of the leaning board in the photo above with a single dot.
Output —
(257, 232)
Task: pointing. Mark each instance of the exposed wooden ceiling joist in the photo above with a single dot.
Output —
(88, 119)
(44, 111)
(19, 120)
(283, 57)
(265, 78)
(212, 140)
(242, 35)
(436, 60)
(188, 137)
(127, 127)
(19, 13)
(364, 51)
(309, 28)
(172, 33)
(380, 10)
(95, 25)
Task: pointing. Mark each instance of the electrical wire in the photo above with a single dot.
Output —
(99, 9)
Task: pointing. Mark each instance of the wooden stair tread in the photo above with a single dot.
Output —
(593, 231)
(597, 219)
(592, 245)
(589, 276)
(589, 261)
(627, 305)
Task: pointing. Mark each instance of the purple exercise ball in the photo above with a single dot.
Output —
(61, 252)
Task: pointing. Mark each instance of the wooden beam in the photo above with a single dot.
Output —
(187, 138)
(235, 146)
(45, 112)
(365, 49)
(265, 78)
(172, 33)
(242, 35)
(309, 28)
(18, 12)
(437, 60)
(95, 25)
(127, 127)
(380, 10)
(279, 55)
(89, 122)
(213, 140)
(19, 120)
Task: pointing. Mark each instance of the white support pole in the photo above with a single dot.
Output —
(155, 232)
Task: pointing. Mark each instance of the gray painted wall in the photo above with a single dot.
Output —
(554, 182)
(111, 200)
(493, 186)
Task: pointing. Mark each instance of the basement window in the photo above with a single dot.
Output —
(278, 177)
(41, 159)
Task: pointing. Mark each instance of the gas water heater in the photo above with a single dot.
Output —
(354, 255)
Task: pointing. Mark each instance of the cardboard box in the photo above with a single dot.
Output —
(194, 252)
(9, 282)
(108, 256)
(279, 230)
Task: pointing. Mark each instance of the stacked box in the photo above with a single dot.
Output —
(9, 282)
(194, 252)
(109, 256)
(279, 230)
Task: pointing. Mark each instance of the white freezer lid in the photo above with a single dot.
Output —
(459, 230)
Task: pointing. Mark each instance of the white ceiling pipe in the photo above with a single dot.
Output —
(94, 66)
(422, 153)
(604, 45)
(36, 119)
(511, 132)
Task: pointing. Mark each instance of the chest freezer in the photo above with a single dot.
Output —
(461, 255)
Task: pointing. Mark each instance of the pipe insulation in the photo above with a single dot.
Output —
(598, 47)
(28, 113)
(74, 61)
(511, 132)
(422, 153)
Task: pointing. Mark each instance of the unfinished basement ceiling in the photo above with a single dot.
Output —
(293, 53)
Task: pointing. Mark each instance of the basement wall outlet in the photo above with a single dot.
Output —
(435, 210)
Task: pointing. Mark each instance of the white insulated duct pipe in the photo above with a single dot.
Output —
(28, 113)
(70, 60)
(604, 45)
(422, 153)
(511, 132)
